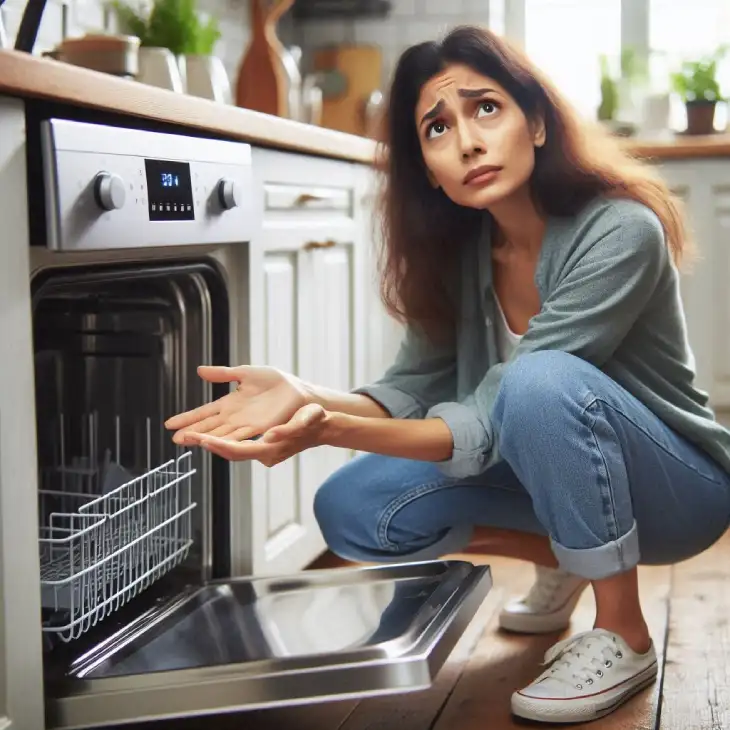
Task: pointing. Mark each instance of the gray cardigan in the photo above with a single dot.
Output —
(610, 295)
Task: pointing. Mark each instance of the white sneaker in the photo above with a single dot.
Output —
(548, 606)
(589, 675)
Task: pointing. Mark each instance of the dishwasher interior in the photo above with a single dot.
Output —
(120, 506)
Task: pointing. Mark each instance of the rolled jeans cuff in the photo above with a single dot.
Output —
(604, 561)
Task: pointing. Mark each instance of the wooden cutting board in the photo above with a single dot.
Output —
(262, 83)
(360, 68)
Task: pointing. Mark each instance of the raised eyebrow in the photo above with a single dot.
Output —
(431, 113)
(473, 93)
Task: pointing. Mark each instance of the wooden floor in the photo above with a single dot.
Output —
(687, 608)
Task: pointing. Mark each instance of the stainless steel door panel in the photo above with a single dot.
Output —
(264, 642)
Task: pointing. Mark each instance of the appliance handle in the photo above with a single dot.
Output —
(29, 25)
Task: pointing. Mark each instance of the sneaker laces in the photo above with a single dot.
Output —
(546, 585)
(580, 658)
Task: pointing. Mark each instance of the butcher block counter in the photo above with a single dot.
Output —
(29, 76)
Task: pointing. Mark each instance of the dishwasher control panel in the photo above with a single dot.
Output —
(109, 188)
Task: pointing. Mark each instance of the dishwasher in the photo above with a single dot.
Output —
(135, 251)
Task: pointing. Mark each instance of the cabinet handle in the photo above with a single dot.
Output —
(305, 198)
(312, 245)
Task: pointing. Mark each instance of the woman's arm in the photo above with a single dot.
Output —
(422, 440)
(353, 404)
(312, 426)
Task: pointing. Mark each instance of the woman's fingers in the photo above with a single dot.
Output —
(238, 450)
(205, 426)
(189, 418)
(226, 429)
(213, 374)
(304, 418)
(219, 374)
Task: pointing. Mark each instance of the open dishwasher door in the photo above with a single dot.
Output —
(268, 642)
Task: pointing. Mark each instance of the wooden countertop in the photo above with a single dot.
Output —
(29, 76)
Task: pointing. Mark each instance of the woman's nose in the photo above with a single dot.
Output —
(470, 141)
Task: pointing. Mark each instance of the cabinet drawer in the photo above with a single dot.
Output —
(286, 197)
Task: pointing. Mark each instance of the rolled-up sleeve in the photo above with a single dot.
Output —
(471, 435)
(423, 375)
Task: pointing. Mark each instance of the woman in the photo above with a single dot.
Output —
(542, 405)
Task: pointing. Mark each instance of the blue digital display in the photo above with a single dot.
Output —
(169, 180)
(169, 191)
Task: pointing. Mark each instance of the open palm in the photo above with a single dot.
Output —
(265, 397)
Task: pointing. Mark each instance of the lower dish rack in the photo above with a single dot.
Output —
(100, 549)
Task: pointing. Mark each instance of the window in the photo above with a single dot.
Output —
(681, 31)
(565, 39)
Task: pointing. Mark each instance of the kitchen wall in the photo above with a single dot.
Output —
(409, 22)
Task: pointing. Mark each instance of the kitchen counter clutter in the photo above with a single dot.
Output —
(29, 76)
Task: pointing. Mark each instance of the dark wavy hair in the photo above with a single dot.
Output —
(423, 230)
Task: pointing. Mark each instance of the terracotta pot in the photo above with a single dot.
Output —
(700, 117)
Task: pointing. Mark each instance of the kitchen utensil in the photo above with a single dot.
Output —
(263, 83)
(353, 73)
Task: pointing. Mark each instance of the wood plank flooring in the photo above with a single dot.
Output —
(687, 608)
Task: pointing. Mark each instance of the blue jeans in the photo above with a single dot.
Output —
(583, 462)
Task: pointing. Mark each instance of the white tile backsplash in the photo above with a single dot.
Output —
(409, 22)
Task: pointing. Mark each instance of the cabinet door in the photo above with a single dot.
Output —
(303, 321)
(704, 187)
(327, 335)
(381, 332)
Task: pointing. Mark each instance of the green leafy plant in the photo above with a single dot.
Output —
(696, 80)
(172, 24)
(609, 92)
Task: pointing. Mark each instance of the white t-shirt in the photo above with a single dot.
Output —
(507, 340)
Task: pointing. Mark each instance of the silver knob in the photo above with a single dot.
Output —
(229, 194)
(109, 191)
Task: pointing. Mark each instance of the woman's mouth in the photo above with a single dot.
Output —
(481, 175)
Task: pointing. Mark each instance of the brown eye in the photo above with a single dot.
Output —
(486, 108)
(436, 130)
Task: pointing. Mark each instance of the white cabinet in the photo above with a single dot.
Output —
(704, 186)
(383, 333)
(306, 317)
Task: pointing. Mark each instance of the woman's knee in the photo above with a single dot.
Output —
(345, 526)
(540, 388)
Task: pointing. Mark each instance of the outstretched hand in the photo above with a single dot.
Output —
(265, 397)
(303, 431)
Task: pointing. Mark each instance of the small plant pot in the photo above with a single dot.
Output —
(701, 117)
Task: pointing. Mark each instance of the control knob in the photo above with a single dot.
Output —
(229, 194)
(109, 191)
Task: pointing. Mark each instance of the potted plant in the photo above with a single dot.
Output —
(619, 91)
(609, 93)
(697, 85)
(175, 31)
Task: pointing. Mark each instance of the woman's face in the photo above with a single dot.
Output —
(476, 142)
